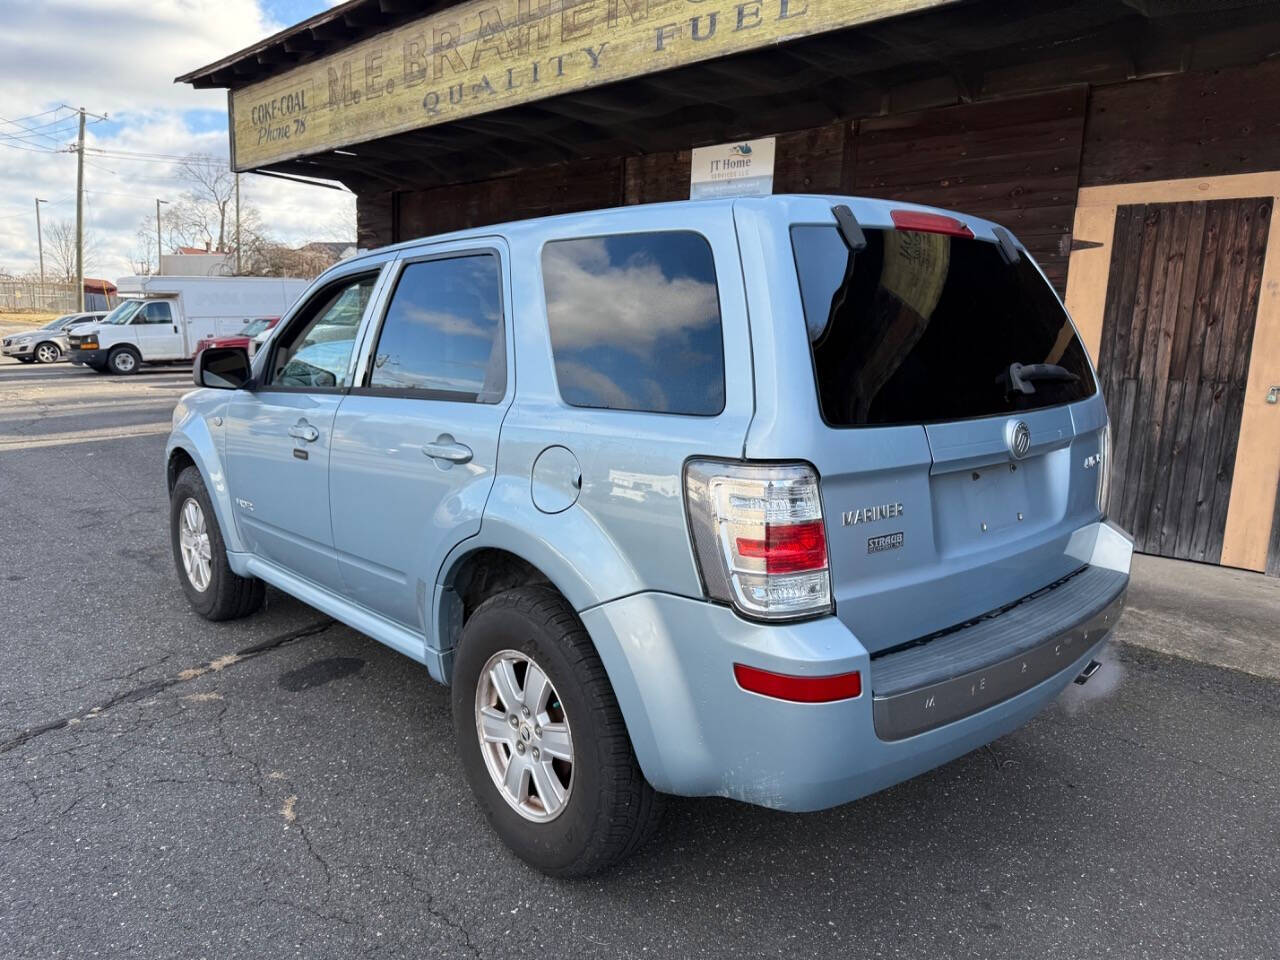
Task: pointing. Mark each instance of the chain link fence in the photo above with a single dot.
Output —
(49, 296)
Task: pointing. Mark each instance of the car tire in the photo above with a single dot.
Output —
(47, 352)
(123, 361)
(213, 589)
(608, 809)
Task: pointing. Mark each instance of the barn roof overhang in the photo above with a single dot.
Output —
(942, 53)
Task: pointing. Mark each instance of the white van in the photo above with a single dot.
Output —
(161, 319)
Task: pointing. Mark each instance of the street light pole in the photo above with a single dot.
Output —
(40, 243)
(159, 271)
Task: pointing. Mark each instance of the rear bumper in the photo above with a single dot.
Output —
(697, 733)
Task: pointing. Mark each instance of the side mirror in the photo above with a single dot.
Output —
(223, 368)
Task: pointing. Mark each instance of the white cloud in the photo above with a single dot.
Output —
(119, 57)
(629, 305)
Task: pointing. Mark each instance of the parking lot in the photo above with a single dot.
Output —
(283, 786)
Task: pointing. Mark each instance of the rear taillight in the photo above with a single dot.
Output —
(929, 223)
(759, 537)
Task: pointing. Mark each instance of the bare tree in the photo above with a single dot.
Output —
(60, 249)
(202, 214)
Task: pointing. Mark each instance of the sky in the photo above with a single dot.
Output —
(118, 58)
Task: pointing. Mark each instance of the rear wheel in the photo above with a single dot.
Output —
(213, 589)
(542, 740)
(47, 353)
(123, 361)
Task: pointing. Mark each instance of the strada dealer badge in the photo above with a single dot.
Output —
(888, 541)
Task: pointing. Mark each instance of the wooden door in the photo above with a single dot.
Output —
(1176, 336)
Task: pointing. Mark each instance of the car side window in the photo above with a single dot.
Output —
(443, 336)
(316, 349)
(157, 311)
(635, 322)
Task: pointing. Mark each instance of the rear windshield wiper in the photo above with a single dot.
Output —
(1017, 379)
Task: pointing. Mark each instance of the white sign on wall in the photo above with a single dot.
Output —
(742, 169)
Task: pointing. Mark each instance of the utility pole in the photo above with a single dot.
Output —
(158, 247)
(40, 243)
(238, 261)
(80, 215)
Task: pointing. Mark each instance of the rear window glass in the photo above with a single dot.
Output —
(923, 327)
(635, 322)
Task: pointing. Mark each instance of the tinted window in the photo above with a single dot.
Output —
(443, 331)
(635, 322)
(922, 327)
(316, 350)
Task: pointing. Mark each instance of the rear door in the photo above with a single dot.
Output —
(948, 491)
(415, 443)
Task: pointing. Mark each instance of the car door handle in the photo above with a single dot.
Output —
(304, 431)
(446, 448)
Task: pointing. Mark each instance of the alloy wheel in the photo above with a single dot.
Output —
(524, 736)
(47, 353)
(193, 539)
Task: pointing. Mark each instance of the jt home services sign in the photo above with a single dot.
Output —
(487, 54)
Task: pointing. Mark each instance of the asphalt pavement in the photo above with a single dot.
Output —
(283, 786)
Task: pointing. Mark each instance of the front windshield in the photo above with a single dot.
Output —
(56, 323)
(123, 313)
(254, 327)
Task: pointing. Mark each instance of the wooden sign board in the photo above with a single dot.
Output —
(484, 55)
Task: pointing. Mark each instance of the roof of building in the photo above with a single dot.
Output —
(317, 36)
(949, 53)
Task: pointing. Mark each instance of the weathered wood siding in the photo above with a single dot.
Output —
(1185, 125)
(1176, 338)
(1015, 161)
(565, 188)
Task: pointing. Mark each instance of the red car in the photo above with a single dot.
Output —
(241, 339)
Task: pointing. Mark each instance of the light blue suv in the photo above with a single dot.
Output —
(783, 499)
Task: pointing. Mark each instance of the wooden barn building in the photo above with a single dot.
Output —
(1133, 145)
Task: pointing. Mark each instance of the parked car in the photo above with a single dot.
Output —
(793, 498)
(164, 318)
(47, 344)
(241, 339)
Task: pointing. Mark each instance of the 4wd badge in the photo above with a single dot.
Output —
(887, 541)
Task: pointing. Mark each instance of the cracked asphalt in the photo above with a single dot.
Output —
(285, 787)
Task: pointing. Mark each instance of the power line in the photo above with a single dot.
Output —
(27, 129)
(37, 116)
(16, 146)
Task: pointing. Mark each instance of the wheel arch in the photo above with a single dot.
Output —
(566, 551)
(194, 447)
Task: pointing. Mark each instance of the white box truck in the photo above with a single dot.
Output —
(160, 319)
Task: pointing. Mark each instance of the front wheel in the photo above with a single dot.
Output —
(48, 353)
(214, 590)
(542, 740)
(123, 361)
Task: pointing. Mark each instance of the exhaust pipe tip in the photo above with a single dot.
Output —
(1087, 673)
